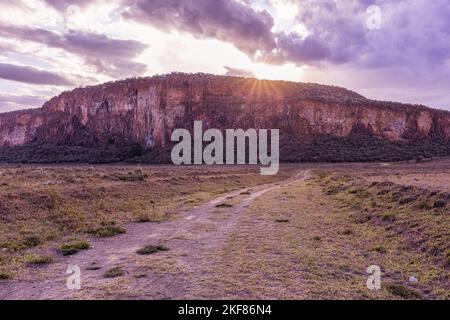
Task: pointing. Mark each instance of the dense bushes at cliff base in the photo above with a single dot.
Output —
(354, 148)
(360, 148)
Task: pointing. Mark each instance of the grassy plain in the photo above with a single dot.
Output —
(269, 237)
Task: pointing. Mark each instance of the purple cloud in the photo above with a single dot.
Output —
(226, 20)
(6, 47)
(31, 75)
(12, 3)
(109, 56)
(61, 5)
(413, 34)
(9, 102)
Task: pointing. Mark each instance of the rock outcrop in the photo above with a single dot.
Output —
(145, 111)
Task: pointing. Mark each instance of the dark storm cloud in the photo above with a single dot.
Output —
(226, 20)
(236, 72)
(109, 56)
(31, 75)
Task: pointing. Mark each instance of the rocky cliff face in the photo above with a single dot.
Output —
(145, 111)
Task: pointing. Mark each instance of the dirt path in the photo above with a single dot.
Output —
(194, 240)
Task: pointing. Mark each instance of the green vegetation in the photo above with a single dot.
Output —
(32, 241)
(4, 276)
(114, 272)
(38, 260)
(388, 216)
(379, 249)
(108, 231)
(137, 175)
(151, 250)
(402, 291)
(73, 247)
(439, 204)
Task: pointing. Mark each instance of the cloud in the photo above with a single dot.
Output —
(9, 102)
(413, 33)
(13, 3)
(31, 75)
(227, 20)
(236, 72)
(337, 33)
(62, 5)
(109, 56)
(6, 47)
(293, 48)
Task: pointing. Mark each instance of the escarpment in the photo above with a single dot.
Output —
(134, 118)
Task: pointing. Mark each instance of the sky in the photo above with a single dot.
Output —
(385, 50)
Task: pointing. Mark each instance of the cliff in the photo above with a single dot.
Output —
(145, 111)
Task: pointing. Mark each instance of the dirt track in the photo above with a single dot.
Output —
(194, 240)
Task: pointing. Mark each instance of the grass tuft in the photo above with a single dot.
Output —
(4, 276)
(151, 250)
(73, 247)
(38, 260)
(439, 204)
(114, 272)
(402, 291)
(379, 249)
(32, 241)
(137, 175)
(388, 216)
(108, 231)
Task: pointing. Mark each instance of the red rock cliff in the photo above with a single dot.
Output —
(147, 110)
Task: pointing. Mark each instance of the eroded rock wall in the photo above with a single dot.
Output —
(147, 110)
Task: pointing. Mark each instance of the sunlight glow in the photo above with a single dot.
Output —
(285, 10)
(288, 72)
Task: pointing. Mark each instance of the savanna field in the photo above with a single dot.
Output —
(168, 232)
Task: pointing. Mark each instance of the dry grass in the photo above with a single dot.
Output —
(312, 239)
(334, 227)
(407, 226)
(42, 205)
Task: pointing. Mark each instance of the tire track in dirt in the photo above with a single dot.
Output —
(193, 239)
